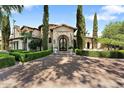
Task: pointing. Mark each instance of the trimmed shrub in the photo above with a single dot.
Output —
(105, 54)
(19, 50)
(18, 55)
(121, 54)
(6, 60)
(79, 52)
(28, 56)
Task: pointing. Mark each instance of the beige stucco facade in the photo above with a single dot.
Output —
(89, 43)
(58, 33)
(60, 37)
(16, 39)
(66, 32)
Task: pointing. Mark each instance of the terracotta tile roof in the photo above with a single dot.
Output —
(28, 28)
(54, 26)
(66, 26)
(50, 26)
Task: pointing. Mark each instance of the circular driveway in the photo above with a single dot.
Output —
(65, 70)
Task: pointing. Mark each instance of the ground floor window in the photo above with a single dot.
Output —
(16, 45)
(50, 40)
(24, 45)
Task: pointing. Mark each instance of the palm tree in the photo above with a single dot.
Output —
(26, 36)
(5, 12)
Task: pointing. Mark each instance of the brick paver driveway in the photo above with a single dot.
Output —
(65, 70)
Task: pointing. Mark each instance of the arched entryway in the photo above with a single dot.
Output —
(88, 45)
(63, 43)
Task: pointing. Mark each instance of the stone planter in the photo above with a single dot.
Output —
(55, 50)
(71, 51)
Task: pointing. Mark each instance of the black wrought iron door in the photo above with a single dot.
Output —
(63, 44)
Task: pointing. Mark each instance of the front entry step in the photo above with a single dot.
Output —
(65, 53)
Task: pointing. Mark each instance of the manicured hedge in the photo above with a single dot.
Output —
(28, 56)
(105, 54)
(20, 51)
(6, 60)
(18, 56)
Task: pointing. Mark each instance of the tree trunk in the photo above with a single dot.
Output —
(5, 32)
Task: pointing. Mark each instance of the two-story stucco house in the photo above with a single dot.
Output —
(59, 36)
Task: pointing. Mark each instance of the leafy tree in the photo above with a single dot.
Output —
(5, 32)
(45, 27)
(80, 28)
(112, 29)
(34, 44)
(95, 30)
(26, 36)
(113, 35)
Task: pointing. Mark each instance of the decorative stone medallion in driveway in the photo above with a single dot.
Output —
(65, 70)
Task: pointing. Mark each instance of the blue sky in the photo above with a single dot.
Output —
(66, 14)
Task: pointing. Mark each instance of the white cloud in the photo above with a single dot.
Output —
(106, 17)
(28, 7)
(108, 13)
(103, 17)
(113, 9)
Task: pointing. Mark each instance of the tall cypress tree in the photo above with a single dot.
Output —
(80, 28)
(83, 32)
(95, 30)
(45, 27)
(5, 32)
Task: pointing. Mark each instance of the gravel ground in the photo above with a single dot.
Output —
(65, 70)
